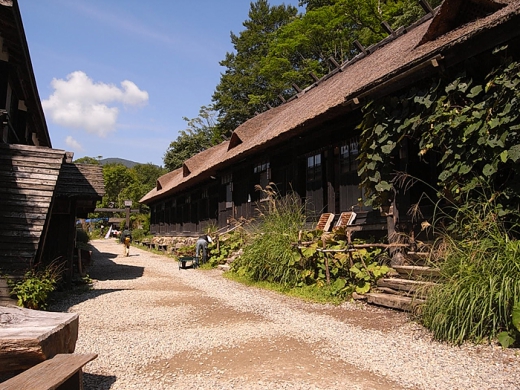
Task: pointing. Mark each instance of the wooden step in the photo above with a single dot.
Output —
(398, 302)
(414, 271)
(406, 285)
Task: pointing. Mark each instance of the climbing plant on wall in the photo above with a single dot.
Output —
(471, 123)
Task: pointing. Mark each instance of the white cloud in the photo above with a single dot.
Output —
(78, 102)
(73, 144)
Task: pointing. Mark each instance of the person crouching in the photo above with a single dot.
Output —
(201, 248)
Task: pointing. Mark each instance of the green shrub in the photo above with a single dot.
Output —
(479, 297)
(228, 243)
(269, 255)
(34, 288)
(138, 234)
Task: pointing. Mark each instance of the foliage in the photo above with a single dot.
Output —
(228, 244)
(138, 234)
(280, 48)
(479, 297)
(34, 288)
(200, 135)
(242, 77)
(87, 160)
(187, 250)
(270, 255)
(349, 271)
(470, 122)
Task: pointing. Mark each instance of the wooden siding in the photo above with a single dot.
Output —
(28, 177)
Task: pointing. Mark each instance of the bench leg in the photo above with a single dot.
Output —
(75, 382)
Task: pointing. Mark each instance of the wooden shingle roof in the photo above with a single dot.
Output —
(81, 181)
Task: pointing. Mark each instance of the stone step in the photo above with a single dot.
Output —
(398, 302)
(416, 271)
(223, 267)
(406, 285)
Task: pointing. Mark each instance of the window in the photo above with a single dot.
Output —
(261, 167)
(314, 168)
(227, 181)
(262, 176)
(348, 154)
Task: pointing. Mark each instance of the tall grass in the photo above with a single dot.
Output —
(270, 255)
(480, 272)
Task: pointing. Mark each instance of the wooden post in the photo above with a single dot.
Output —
(327, 272)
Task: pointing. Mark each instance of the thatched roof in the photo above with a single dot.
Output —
(384, 68)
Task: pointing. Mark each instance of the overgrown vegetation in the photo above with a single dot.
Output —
(269, 254)
(272, 255)
(33, 290)
(228, 244)
(478, 298)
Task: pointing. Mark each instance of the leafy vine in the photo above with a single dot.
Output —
(471, 124)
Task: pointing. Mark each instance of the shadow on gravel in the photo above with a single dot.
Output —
(98, 382)
(106, 255)
(66, 300)
(104, 268)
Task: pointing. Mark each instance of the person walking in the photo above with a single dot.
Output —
(126, 239)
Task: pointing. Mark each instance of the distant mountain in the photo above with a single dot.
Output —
(126, 163)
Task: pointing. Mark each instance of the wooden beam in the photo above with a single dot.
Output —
(360, 47)
(426, 6)
(314, 77)
(334, 62)
(387, 27)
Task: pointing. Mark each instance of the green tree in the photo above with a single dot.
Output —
(200, 135)
(242, 78)
(87, 160)
(147, 174)
(145, 178)
(117, 178)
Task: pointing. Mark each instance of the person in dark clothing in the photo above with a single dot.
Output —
(126, 239)
(201, 248)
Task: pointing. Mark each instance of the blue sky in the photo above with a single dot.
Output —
(117, 77)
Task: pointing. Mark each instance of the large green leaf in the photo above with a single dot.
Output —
(475, 91)
(363, 287)
(514, 153)
(383, 186)
(388, 148)
(505, 339)
(488, 170)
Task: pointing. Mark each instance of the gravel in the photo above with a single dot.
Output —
(154, 326)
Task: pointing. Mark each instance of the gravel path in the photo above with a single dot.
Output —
(157, 327)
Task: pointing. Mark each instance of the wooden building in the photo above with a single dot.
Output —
(310, 143)
(41, 190)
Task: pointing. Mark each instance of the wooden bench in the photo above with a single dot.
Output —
(161, 247)
(62, 372)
